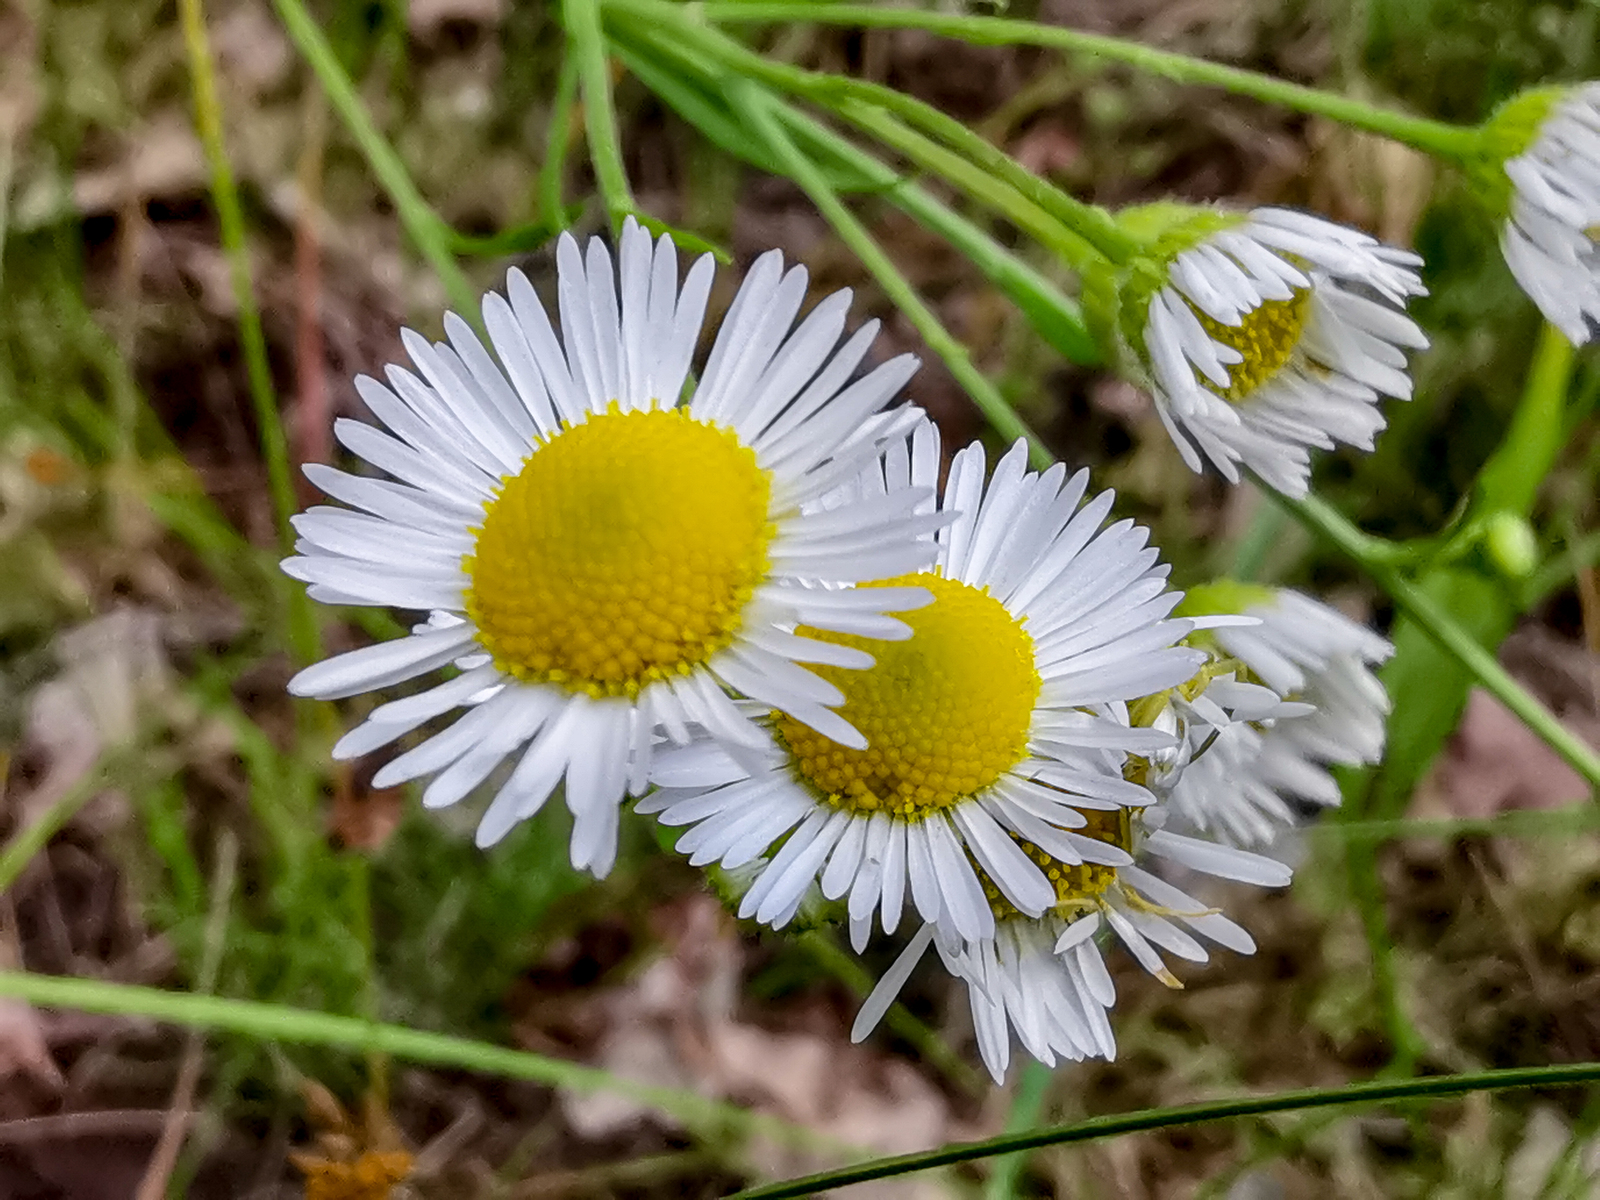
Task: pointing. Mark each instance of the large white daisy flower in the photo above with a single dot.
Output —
(1273, 333)
(1549, 237)
(600, 561)
(1045, 977)
(1259, 758)
(980, 753)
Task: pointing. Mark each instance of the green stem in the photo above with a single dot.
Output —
(558, 138)
(757, 108)
(230, 222)
(582, 19)
(281, 1023)
(1454, 142)
(1510, 481)
(982, 184)
(1056, 317)
(430, 234)
(1443, 629)
(971, 163)
(1096, 1128)
(1516, 823)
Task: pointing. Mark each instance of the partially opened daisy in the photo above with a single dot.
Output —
(1045, 977)
(1267, 333)
(981, 751)
(1263, 760)
(1553, 220)
(601, 561)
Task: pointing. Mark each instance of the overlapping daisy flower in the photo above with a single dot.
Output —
(1550, 233)
(1045, 977)
(603, 562)
(1316, 703)
(990, 746)
(1266, 334)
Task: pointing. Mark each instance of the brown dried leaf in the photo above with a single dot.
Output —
(674, 1025)
(1495, 763)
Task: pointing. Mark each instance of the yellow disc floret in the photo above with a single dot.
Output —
(1266, 337)
(623, 552)
(944, 713)
(1078, 885)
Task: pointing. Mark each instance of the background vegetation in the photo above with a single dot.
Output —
(173, 820)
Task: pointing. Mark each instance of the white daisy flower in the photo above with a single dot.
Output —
(601, 561)
(1273, 333)
(980, 753)
(1045, 977)
(1259, 757)
(1550, 234)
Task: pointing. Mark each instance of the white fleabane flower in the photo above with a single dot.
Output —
(1549, 235)
(600, 561)
(1045, 977)
(1259, 758)
(1268, 333)
(979, 752)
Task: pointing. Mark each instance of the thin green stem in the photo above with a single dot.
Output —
(1455, 142)
(1436, 1087)
(1516, 823)
(1511, 479)
(1443, 629)
(600, 119)
(979, 182)
(230, 223)
(428, 232)
(558, 139)
(971, 162)
(1056, 317)
(757, 107)
(281, 1023)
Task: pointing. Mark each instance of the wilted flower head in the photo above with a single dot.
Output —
(1305, 698)
(1548, 142)
(1266, 333)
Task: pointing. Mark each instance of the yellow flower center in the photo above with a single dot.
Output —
(1078, 885)
(944, 713)
(1266, 337)
(623, 552)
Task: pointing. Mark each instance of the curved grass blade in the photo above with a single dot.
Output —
(282, 1023)
(1096, 1128)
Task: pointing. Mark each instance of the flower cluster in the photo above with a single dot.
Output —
(740, 595)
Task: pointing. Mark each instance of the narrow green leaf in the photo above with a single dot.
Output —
(276, 1022)
(663, 63)
(1435, 1087)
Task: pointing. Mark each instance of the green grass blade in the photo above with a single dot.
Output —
(757, 106)
(1437, 622)
(428, 232)
(1437, 1087)
(1435, 137)
(662, 63)
(230, 222)
(275, 1022)
(587, 46)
